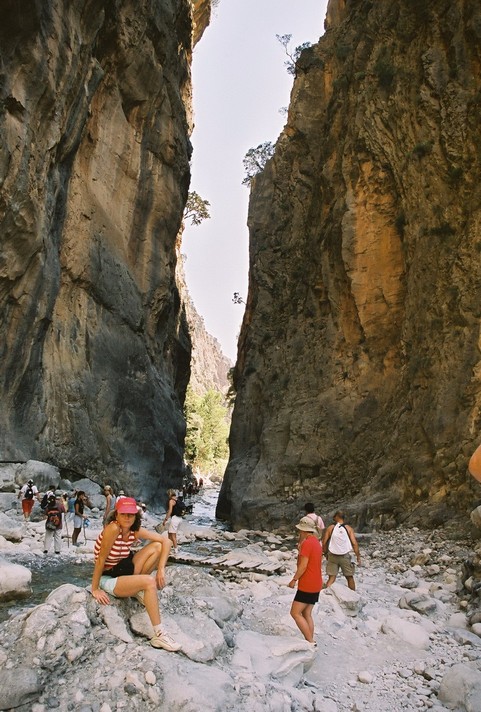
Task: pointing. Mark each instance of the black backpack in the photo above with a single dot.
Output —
(29, 492)
(178, 509)
(44, 502)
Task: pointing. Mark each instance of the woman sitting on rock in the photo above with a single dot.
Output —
(122, 573)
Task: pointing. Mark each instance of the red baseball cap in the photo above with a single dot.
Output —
(126, 505)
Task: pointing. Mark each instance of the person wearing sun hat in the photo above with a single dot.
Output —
(308, 577)
(120, 572)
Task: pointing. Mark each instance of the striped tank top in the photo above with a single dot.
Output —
(120, 549)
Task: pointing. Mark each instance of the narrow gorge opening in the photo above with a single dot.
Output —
(241, 75)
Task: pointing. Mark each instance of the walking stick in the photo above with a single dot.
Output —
(66, 529)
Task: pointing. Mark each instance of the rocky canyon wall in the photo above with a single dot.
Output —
(359, 367)
(94, 172)
(209, 367)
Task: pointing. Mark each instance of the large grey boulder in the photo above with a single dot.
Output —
(411, 633)
(88, 486)
(41, 473)
(279, 658)
(461, 688)
(10, 529)
(8, 472)
(200, 637)
(350, 601)
(9, 500)
(14, 581)
(19, 685)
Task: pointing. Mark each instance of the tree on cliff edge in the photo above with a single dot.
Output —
(255, 160)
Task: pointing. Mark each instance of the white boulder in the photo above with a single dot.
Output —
(14, 581)
(10, 529)
(411, 633)
(350, 601)
(277, 657)
(41, 473)
(461, 688)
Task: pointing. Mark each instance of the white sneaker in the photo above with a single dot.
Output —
(163, 640)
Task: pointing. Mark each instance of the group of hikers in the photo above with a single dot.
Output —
(58, 507)
(124, 562)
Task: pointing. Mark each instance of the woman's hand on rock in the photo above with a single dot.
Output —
(100, 596)
(160, 577)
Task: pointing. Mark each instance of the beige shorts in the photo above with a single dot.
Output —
(339, 561)
(174, 524)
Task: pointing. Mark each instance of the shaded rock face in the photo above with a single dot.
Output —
(94, 172)
(358, 374)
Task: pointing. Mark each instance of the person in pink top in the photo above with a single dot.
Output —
(318, 520)
(120, 572)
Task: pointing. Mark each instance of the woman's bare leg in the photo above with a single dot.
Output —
(130, 585)
(147, 559)
(297, 612)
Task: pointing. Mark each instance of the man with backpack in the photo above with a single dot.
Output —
(28, 494)
(337, 543)
(49, 493)
(54, 511)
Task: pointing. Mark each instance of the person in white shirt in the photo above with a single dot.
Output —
(28, 494)
(338, 541)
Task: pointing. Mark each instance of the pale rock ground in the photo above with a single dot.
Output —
(400, 642)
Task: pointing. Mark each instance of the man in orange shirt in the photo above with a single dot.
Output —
(308, 576)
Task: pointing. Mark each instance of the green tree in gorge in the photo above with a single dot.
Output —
(207, 419)
(292, 54)
(196, 209)
(255, 160)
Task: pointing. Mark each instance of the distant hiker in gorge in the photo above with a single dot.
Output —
(109, 502)
(28, 494)
(54, 513)
(338, 542)
(173, 516)
(71, 505)
(318, 521)
(49, 493)
(122, 574)
(79, 516)
(308, 577)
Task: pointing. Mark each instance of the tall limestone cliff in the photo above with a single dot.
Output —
(94, 172)
(359, 367)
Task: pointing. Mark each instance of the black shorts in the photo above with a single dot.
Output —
(305, 597)
(123, 568)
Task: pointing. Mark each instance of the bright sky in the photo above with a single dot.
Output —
(240, 83)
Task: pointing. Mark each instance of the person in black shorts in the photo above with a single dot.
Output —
(308, 577)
